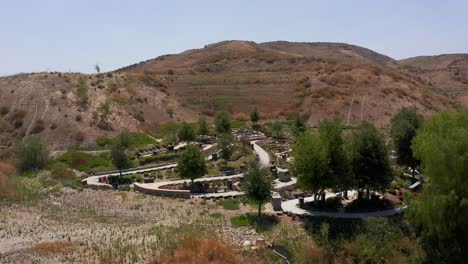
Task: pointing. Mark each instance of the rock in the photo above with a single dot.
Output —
(247, 244)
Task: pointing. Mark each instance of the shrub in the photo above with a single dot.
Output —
(61, 171)
(31, 154)
(38, 127)
(4, 110)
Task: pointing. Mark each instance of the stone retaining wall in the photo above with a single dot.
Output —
(163, 192)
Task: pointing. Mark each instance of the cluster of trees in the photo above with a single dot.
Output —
(187, 132)
(323, 160)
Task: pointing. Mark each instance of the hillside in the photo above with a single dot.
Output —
(47, 104)
(317, 80)
(448, 72)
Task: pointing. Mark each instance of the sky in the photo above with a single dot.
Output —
(75, 35)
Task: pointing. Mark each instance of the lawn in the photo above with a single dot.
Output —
(229, 204)
(86, 162)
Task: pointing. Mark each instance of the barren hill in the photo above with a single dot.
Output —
(448, 72)
(316, 80)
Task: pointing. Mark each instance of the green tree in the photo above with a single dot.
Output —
(191, 164)
(223, 122)
(369, 158)
(202, 126)
(119, 158)
(185, 133)
(338, 174)
(82, 91)
(31, 154)
(299, 126)
(310, 163)
(123, 139)
(225, 146)
(404, 127)
(320, 160)
(277, 129)
(257, 184)
(254, 116)
(440, 213)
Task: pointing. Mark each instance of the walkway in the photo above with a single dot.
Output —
(292, 207)
(262, 154)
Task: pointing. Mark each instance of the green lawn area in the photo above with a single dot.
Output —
(261, 224)
(238, 124)
(241, 220)
(86, 162)
(229, 204)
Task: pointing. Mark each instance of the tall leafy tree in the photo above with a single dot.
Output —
(440, 213)
(254, 116)
(31, 154)
(310, 163)
(369, 158)
(299, 125)
(186, 132)
(225, 146)
(223, 122)
(338, 172)
(257, 184)
(119, 158)
(191, 164)
(202, 126)
(320, 160)
(404, 127)
(123, 139)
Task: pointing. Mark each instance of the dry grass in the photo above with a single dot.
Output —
(54, 247)
(6, 181)
(200, 251)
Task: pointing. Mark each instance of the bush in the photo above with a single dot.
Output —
(4, 110)
(31, 154)
(380, 241)
(61, 171)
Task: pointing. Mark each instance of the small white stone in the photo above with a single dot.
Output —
(247, 243)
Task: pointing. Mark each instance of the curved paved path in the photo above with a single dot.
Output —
(292, 207)
(262, 154)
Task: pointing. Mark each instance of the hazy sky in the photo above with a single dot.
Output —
(66, 35)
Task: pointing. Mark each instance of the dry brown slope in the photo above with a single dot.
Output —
(448, 72)
(46, 104)
(315, 79)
